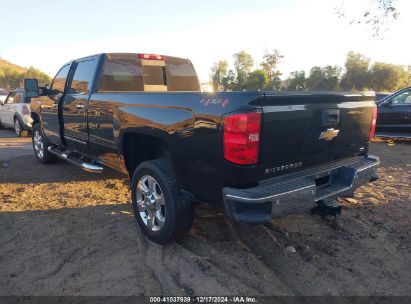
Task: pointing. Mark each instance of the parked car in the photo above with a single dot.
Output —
(381, 95)
(3, 95)
(394, 115)
(257, 154)
(15, 112)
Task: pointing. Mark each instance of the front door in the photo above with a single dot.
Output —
(75, 105)
(49, 106)
(394, 116)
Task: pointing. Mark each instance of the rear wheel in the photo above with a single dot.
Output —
(18, 129)
(40, 146)
(159, 206)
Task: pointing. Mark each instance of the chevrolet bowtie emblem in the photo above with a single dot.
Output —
(329, 134)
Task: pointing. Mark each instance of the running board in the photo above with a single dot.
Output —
(76, 159)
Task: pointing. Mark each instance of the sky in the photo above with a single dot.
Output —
(46, 34)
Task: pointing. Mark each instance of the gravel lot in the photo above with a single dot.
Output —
(67, 232)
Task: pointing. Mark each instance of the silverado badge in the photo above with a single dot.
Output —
(329, 134)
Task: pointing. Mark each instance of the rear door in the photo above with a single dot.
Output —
(75, 104)
(16, 106)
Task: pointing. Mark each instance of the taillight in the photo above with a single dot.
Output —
(241, 138)
(26, 110)
(151, 56)
(373, 123)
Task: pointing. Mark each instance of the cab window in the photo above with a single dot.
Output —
(18, 98)
(59, 82)
(403, 98)
(181, 75)
(83, 76)
(10, 98)
(121, 73)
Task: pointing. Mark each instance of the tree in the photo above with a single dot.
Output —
(269, 66)
(357, 74)
(257, 80)
(326, 78)
(219, 72)
(388, 77)
(42, 78)
(377, 15)
(243, 63)
(295, 82)
(11, 78)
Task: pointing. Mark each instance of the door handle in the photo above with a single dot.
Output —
(331, 117)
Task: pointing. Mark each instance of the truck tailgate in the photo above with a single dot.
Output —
(306, 129)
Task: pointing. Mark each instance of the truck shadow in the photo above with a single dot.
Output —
(26, 169)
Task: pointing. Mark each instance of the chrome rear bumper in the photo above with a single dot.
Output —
(287, 195)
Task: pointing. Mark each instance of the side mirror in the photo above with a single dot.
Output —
(387, 103)
(31, 88)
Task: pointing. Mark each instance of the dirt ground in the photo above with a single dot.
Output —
(67, 232)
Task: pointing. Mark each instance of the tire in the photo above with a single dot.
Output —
(158, 204)
(18, 128)
(40, 146)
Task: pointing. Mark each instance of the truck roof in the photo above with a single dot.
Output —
(125, 54)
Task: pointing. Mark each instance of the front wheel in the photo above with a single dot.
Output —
(159, 207)
(40, 146)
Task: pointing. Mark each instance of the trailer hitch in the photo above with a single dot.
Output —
(325, 208)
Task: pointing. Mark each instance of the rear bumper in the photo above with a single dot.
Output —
(295, 193)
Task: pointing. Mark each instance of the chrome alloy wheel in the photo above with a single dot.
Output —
(17, 127)
(151, 203)
(38, 144)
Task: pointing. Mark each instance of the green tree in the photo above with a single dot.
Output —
(388, 77)
(357, 76)
(269, 66)
(42, 78)
(10, 78)
(326, 78)
(243, 63)
(295, 82)
(257, 80)
(219, 73)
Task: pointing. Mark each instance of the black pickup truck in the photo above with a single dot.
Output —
(260, 155)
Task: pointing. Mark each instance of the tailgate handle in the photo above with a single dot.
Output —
(331, 117)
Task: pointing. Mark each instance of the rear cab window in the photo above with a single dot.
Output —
(129, 73)
(82, 78)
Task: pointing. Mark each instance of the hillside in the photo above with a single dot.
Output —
(12, 75)
(6, 64)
